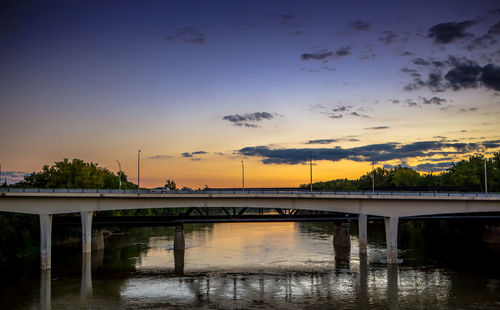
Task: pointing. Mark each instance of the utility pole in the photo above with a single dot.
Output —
(242, 175)
(373, 178)
(311, 169)
(119, 175)
(138, 170)
(485, 178)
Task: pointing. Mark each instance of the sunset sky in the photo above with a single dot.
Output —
(199, 86)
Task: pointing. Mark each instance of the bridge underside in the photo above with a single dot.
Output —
(379, 206)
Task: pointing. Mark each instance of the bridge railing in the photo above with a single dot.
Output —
(254, 191)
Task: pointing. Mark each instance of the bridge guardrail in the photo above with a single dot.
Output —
(243, 192)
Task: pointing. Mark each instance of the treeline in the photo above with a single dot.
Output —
(465, 175)
(19, 233)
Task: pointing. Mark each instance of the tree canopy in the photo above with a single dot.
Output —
(76, 174)
(465, 175)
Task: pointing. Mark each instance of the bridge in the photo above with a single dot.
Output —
(390, 205)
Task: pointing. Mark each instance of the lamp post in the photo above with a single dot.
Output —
(242, 175)
(485, 178)
(138, 170)
(311, 170)
(373, 178)
(119, 175)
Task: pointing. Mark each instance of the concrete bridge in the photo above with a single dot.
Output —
(390, 205)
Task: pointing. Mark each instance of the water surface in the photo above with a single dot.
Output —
(260, 266)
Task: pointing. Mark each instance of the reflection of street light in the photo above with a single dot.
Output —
(373, 177)
(139, 170)
(119, 175)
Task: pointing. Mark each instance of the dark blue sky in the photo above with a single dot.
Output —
(100, 79)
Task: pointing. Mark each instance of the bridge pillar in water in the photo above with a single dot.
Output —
(45, 241)
(179, 243)
(342, 243)
(45, 289)
(391, 237)
(363, 233)
(86, 231)
(97, 240)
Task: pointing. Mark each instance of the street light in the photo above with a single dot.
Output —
(119, 176)
(311, 169)
(373, 177)
(138, 170)
(242, 175)
(485, 178)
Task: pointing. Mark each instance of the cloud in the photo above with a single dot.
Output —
(243, 120)
(322, 141)
(360, 25)
(368, 153)
(339, 111)
(343, 51)
(317, 56)
(495, 29)
(462, 73)
(12, 176)
(445, 33)
(188, 34)
(359, 115)
(192, 154)
(287, 19)
(490, 76)
(378, 128)
(160, 157)
(430, 167)
(434, 100)
(465, 74)
(473, 109)
(407, 53)
(325, 54)
(388, 37)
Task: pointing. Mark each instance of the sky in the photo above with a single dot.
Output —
(202, 86)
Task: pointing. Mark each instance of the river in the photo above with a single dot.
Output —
(263, 266)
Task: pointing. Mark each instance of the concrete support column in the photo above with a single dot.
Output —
(97, 240)
(86, 283)
(179, 243)
(86, 231)
(342, 244)
(363, 233)
(391, 237)
(45, 241)
(45, 289)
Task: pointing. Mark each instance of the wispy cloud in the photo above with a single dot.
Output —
(188, 34)
(249, 119)
(160, 157)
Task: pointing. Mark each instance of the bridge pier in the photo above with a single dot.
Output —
(391, 237)
(363, 233)
(45, 241)
(179, 243)
(86, 231)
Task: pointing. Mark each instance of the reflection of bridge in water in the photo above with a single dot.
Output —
(236, 288)
(390, 205)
